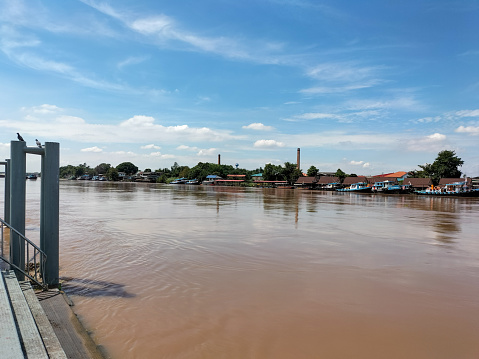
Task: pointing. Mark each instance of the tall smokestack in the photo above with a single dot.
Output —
(219, 159)
(298, 159)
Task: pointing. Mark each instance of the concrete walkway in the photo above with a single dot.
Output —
(40, 325)
(73, 337)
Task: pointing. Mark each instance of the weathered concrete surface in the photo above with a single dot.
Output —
(73, 337)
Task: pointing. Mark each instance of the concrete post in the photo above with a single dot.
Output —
(50, 212)
(7, 192)
(17, 204)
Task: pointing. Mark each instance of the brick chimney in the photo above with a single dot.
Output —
(298, 158)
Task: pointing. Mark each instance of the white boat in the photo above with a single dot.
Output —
(179, 181)
(356, 187)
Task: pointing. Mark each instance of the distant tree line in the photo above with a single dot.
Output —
(445, 166)
(104, 169)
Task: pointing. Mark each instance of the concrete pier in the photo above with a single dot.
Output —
(40, 325)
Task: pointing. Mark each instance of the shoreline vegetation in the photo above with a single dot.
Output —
(445, 166)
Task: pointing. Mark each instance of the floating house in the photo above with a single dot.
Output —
(329, 183)
(348, 181)
(418, 183)
(308, 182)
(257, 177)
(232, 180)
(211, 179)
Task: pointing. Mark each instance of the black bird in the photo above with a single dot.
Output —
(20, 138)
(38, 143)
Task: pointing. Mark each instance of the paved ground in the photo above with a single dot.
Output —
(73, 337)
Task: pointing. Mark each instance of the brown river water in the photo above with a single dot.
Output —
(190, 272)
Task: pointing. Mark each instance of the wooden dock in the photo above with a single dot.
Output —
(26, 328)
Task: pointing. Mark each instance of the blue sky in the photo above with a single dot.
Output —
(366, 86)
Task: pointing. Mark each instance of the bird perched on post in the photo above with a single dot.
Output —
(38, 143)
(20, 138)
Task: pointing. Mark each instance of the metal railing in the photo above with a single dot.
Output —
(34, 265)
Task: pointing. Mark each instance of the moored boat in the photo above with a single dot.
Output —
(360, 187)
(389, 187)
(456, 189)
(179, 181)
(193, 182)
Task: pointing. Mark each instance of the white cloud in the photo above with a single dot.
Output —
(258, 126)
(43, 109)
(342, 77)
(202, 99)
(436, 137)
(138, 121)
(268, 144)
(333, 89)
(315, 116)
(165, 31)
(149, 147)
(341, 72)
(132, 60)
(341, 140)
(356, 163)
(429, 119)
(158, 25)
(138, 129)
(468, 113)
(160, 155)
(185, 147)
(366, 165)
(468, 129)
(397, 103)
(450, 116)
(92, 149)
(432, 143)
(207, 152)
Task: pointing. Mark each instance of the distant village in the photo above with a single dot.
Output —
(443, 171)
(289, 175)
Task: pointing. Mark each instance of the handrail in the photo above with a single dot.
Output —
(32, 263)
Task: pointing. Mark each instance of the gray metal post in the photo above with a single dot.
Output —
(17, 204)
(7, 191)
(50, 199)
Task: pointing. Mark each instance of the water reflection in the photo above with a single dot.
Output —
(446, 227)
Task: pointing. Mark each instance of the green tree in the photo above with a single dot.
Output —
(112, 174)
(291, 173)
(175, 170)
(184, 171)
(417, 174)
(67, 171)
(446, 165)
(312, 171)
(127, 167)
(272, 172)
(162, 179)
(147, 170)
(102, 168)
(341, 175)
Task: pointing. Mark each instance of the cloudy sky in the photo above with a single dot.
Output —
(366, 86)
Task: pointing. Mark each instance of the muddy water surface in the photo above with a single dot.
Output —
(160, 271)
